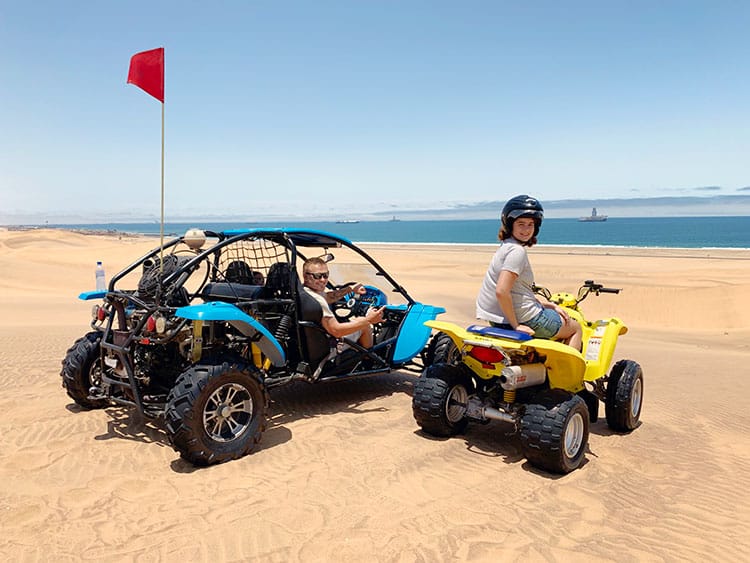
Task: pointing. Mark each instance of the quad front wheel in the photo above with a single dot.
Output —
(624, 396)
(217, 412)
(82, 369)
(555, 431)
(440, 398)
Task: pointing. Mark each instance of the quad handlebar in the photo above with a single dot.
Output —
(589, 286)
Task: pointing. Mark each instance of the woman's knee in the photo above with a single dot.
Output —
(568, 329)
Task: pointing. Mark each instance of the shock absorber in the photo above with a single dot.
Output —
(282, 329)
(509, 396)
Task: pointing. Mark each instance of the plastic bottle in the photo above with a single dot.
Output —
(100, 281)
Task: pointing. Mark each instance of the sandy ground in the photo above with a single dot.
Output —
(343, 474)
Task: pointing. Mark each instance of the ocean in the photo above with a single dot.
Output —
(642, 232)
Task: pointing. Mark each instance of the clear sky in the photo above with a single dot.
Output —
(339, 107)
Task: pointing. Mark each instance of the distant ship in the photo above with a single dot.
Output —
(347, 221)
(593, 217)
(394, 219)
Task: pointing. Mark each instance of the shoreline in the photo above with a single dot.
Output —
(740, 253)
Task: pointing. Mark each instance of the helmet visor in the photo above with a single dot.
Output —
(533, 213)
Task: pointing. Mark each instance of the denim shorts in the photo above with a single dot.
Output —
(546, 324)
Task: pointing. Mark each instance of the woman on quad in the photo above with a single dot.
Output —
(506, 298)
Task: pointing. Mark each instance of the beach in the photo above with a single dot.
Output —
(343, 472)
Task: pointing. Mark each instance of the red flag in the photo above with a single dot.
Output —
(147, 72)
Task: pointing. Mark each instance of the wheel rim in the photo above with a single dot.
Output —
(454, 356)
(636, 398)
(228, 412)
(95, 374)
(574, 435)
(455, 406)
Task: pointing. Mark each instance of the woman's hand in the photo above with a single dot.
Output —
(562, 312)
(525, 329)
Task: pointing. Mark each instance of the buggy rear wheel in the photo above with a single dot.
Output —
(440, 398)
(82, 369)
(442, 350)
(555, 431)
(216, 413)
(624, 396)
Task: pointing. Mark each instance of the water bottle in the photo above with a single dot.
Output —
(100, 282)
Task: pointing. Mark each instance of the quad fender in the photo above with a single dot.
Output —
(599, 342)
(247, 325)
(414, 333)
(565, 365)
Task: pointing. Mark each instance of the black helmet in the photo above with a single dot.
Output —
(522, 206)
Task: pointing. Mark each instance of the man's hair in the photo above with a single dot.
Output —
(312, 262)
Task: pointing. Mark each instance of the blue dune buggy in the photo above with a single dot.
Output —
(195, 332)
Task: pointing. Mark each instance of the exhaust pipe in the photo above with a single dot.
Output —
(494, 414)
(518, 377)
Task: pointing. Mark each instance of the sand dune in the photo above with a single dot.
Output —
(343, 472)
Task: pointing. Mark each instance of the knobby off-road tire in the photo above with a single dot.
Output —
(624, 396)
(81, 369)
(216, 413)
(555, 431)
(442, 350)
(439, 402)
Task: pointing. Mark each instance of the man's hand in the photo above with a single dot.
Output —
(374, 315)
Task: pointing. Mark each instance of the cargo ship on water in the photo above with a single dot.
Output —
(594, 217)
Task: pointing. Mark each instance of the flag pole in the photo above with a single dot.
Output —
(147, 72)
(161, 227)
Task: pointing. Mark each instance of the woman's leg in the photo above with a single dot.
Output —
(571, 333)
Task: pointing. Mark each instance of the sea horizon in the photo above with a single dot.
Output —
(636, 232)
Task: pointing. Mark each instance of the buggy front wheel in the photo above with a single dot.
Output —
(216, 413)
(442, 350)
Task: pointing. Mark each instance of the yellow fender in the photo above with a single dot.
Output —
(565, 366)
(599, 342)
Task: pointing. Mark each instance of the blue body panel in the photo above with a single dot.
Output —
(414, 334)
(89, 295)
(301, 237)
(247, 325)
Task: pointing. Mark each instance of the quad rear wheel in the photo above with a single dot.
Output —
(440, 398)
(82, 369)
(555, 431)
(216, 413)
(624, 396)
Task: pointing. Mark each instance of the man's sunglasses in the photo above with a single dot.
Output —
(320, 276)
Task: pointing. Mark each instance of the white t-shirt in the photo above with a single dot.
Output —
(322, 301)
(511, 257)
(327, 312)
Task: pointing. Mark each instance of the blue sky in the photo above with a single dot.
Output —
(315, 108)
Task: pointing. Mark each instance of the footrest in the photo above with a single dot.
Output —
(499, 332)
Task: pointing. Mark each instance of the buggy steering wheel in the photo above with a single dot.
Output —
(348, 306)
(357, 304)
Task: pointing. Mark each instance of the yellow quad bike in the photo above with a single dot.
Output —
(547, 390)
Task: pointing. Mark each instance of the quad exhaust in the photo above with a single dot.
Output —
(518, 377)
